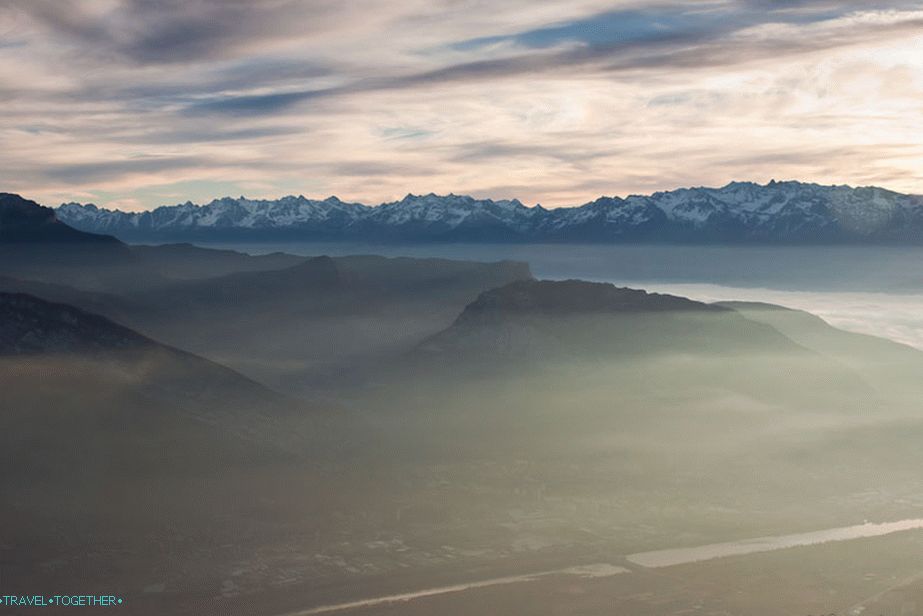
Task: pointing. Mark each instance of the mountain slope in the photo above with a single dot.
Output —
(36, 244)
(316, 324)
(185, 261)
(114, 444)
(889, 366)
(320, 322)
(64, 365)
(739, 212)
(31, 327)
(23, 221)
(592, 371)
(576, 340)
(543, 320)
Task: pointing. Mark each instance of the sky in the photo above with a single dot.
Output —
(138, 103)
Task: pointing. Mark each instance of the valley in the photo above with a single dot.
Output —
(225, 433)
(461, 308)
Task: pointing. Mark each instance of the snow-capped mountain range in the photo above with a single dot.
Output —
(738, 212)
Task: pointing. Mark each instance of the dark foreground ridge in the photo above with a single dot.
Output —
(22, 220)
(45, 331)
(30, 325)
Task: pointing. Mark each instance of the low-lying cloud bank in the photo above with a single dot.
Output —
(898, 317)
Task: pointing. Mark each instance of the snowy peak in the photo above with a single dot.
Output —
(449, 212)
(738, 212)
(220, 214)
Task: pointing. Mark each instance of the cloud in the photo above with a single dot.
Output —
(172, 31)
(101, 171)
(886, 315)
(658, 23)
(132, 100)
(619, 42)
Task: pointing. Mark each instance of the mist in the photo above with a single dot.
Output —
(316, 434)
(895, 316)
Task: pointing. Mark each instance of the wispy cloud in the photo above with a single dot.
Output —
(130, 101)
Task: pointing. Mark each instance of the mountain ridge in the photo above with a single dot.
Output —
(37, 333)
(738, 212)
(543, 318)
(23, 221)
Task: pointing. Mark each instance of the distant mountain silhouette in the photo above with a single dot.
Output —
(740, 212)
(186, 261)
(678, 347)
(572, 297)
(540, 319)
(292, 322)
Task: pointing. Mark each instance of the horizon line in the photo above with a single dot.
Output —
(772, 182)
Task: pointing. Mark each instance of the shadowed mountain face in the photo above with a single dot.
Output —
(117, 445)
(298, 324)
(32, 235)
(322, 323)
(615, 361)
(553, 298)
(304, 326)
(23, 221)
(185, 261)
(82, 369)
(35, 244)
(32, 326)
(539, 321)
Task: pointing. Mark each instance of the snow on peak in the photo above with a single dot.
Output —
(738, 211)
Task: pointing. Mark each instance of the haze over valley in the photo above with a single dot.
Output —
(287, 433)
(461, 307)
